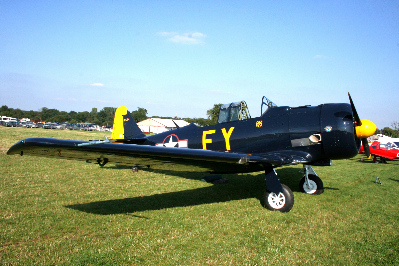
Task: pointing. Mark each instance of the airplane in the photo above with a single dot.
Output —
(281, 136)
(384, 150)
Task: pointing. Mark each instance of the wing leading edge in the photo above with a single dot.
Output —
(156, 157)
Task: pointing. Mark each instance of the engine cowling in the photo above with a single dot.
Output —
(338, 136)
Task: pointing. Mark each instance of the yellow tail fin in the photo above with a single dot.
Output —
(125, 128)
(118, 131)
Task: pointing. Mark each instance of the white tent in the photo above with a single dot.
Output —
(158, 125)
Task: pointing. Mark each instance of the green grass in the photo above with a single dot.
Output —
(68, 212)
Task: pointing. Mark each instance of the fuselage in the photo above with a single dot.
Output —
(325, 131)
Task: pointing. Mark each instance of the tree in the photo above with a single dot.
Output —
(395, 125)
(82, 117)
(49, 114)
(390, 132)
(61, 117)
(107, 114)
(32, 115)
(93, 115)
(72, 115)
(4, 110)
(213, 114)
(140, 114)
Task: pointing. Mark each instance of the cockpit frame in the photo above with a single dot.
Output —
(266, 102)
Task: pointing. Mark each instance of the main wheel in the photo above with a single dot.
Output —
(315, 186)
(282, 202)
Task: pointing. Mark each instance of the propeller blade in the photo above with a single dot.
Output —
(362, 130)
(366, 147)
(355, 115)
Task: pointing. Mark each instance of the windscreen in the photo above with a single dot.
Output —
(223, 115)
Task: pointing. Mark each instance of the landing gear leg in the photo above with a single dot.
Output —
(278, 197)
(311, 182)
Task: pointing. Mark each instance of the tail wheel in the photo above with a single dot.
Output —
(282, 202)
(314, 186)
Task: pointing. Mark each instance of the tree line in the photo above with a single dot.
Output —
(104, 117)
(391, 132)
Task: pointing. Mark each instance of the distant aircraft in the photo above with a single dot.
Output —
(384, 150)
(308, 135)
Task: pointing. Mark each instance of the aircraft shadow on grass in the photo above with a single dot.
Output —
(237, 188)
(286, 175)
(249, 187)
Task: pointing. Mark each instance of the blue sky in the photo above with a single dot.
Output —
(181, 57)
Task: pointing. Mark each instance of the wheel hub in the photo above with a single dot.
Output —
(310, 186)
(276, 201)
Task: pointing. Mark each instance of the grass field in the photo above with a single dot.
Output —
(68, 212)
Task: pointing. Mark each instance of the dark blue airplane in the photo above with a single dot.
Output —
(308, 135)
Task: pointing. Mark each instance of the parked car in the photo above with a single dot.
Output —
(11, 124)
(31, 125)
(60, 126)
(48, 126)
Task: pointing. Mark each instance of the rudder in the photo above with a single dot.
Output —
(125, 128)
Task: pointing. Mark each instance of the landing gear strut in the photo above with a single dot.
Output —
(311, 182)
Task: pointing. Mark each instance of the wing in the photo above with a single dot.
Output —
(155, 156)
(385, 154)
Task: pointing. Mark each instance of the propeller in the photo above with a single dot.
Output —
(363, 128)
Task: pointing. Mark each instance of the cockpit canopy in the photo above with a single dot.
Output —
(392, 145)
(269, 104)
(233, 112)
(239, 110)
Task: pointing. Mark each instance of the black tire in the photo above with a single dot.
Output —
(316, 185)
(283, 202)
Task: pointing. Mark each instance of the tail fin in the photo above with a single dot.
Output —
(125, 128)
